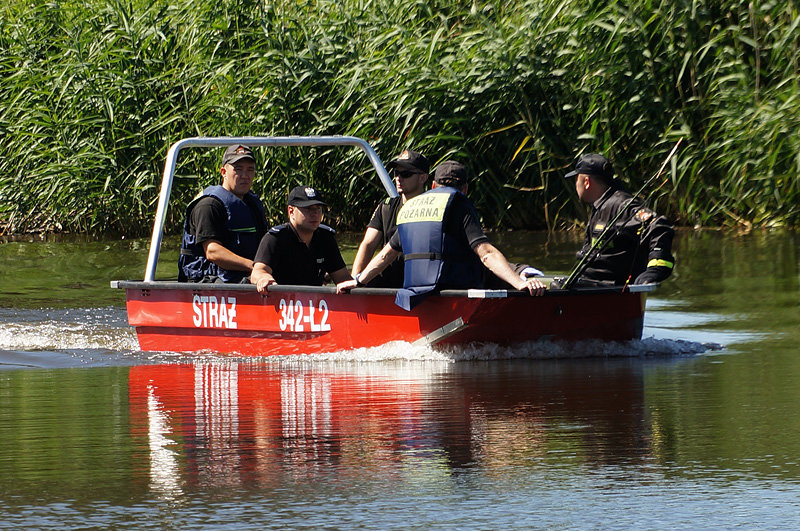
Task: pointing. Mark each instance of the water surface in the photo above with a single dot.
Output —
(694, 426)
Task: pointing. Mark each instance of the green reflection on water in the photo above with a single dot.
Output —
(64, 434)
(735, 413)
(75, 272)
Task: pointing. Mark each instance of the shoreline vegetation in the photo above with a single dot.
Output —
(94, 93)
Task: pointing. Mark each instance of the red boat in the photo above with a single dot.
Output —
(187, 317)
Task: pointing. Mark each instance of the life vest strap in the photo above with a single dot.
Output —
(422, 256)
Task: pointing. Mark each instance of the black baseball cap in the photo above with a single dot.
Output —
(236, 153)
(593, 164)
(305, 196)
(450, 173)
(413, 160)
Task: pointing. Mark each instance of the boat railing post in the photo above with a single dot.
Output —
(161, 211)
(171, 163)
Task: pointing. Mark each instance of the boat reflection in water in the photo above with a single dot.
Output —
(252, 425)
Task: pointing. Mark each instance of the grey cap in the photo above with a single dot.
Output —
(236, 153)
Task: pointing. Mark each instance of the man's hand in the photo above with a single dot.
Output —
(346, 286)
(534, 286)
(263, 283)
(653, 275)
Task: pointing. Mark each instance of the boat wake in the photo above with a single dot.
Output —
(81, 328)
(544, 349)
(101, 336)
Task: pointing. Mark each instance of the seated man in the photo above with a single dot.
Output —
(223, 226)
(302, 251)
(640, 248)
(443, 244)
(410, 172)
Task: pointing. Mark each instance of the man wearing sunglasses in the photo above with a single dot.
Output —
(410, 172)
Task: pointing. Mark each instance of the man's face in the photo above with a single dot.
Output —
(237, 178)
(409, 182)
(581, 185)
(305, 219)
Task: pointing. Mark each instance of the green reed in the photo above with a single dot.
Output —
(95, 92)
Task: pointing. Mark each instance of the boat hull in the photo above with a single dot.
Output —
(171, 316)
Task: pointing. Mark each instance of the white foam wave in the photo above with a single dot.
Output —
(545, 349)
(107, 329)
(91, 328)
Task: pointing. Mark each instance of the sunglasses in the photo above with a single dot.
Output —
(405, 174)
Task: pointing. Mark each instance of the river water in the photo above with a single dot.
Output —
(698, 425)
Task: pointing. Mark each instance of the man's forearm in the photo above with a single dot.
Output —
(378, 264)
(227, 259)
(496, 262)
(365, 251)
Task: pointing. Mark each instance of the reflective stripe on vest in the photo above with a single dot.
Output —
(657, 262)
(242, 238)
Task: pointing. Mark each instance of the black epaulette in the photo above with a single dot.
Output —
(323, 226)
(386, 201)
(278, 228)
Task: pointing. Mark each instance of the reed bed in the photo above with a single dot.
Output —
(95, 92)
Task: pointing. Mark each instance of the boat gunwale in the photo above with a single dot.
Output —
(331, 290)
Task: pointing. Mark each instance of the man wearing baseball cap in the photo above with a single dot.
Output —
(443, 244)
(640, 250)
(302, 251)
(224, 225)
(410, 172)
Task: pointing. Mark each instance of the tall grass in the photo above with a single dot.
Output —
(94, 93)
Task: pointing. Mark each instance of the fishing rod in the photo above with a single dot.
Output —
(604, 239)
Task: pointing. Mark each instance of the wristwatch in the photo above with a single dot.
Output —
(357, 278)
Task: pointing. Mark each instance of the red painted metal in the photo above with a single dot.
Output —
(243, 322)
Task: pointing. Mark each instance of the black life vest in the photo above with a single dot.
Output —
(241, 237)
(433, 258)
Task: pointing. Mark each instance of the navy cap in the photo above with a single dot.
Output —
(410, 159)
(305, 196)
(593, 164)
(451, 173)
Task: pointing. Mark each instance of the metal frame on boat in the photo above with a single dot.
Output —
(175, 316)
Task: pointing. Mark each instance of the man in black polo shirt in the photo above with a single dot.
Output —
(302, 251)
(224, 225)
(410, 172)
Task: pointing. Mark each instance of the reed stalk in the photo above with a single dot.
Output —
(94, 93)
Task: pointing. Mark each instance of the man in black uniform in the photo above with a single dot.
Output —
(302, 251)
(640, 250)
(442, 217)
(410, 171)
(224, 225)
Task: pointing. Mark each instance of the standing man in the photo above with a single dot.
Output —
(410, 172)
(640, 249)
(223, 226)
(302, 251)
(444, 246)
